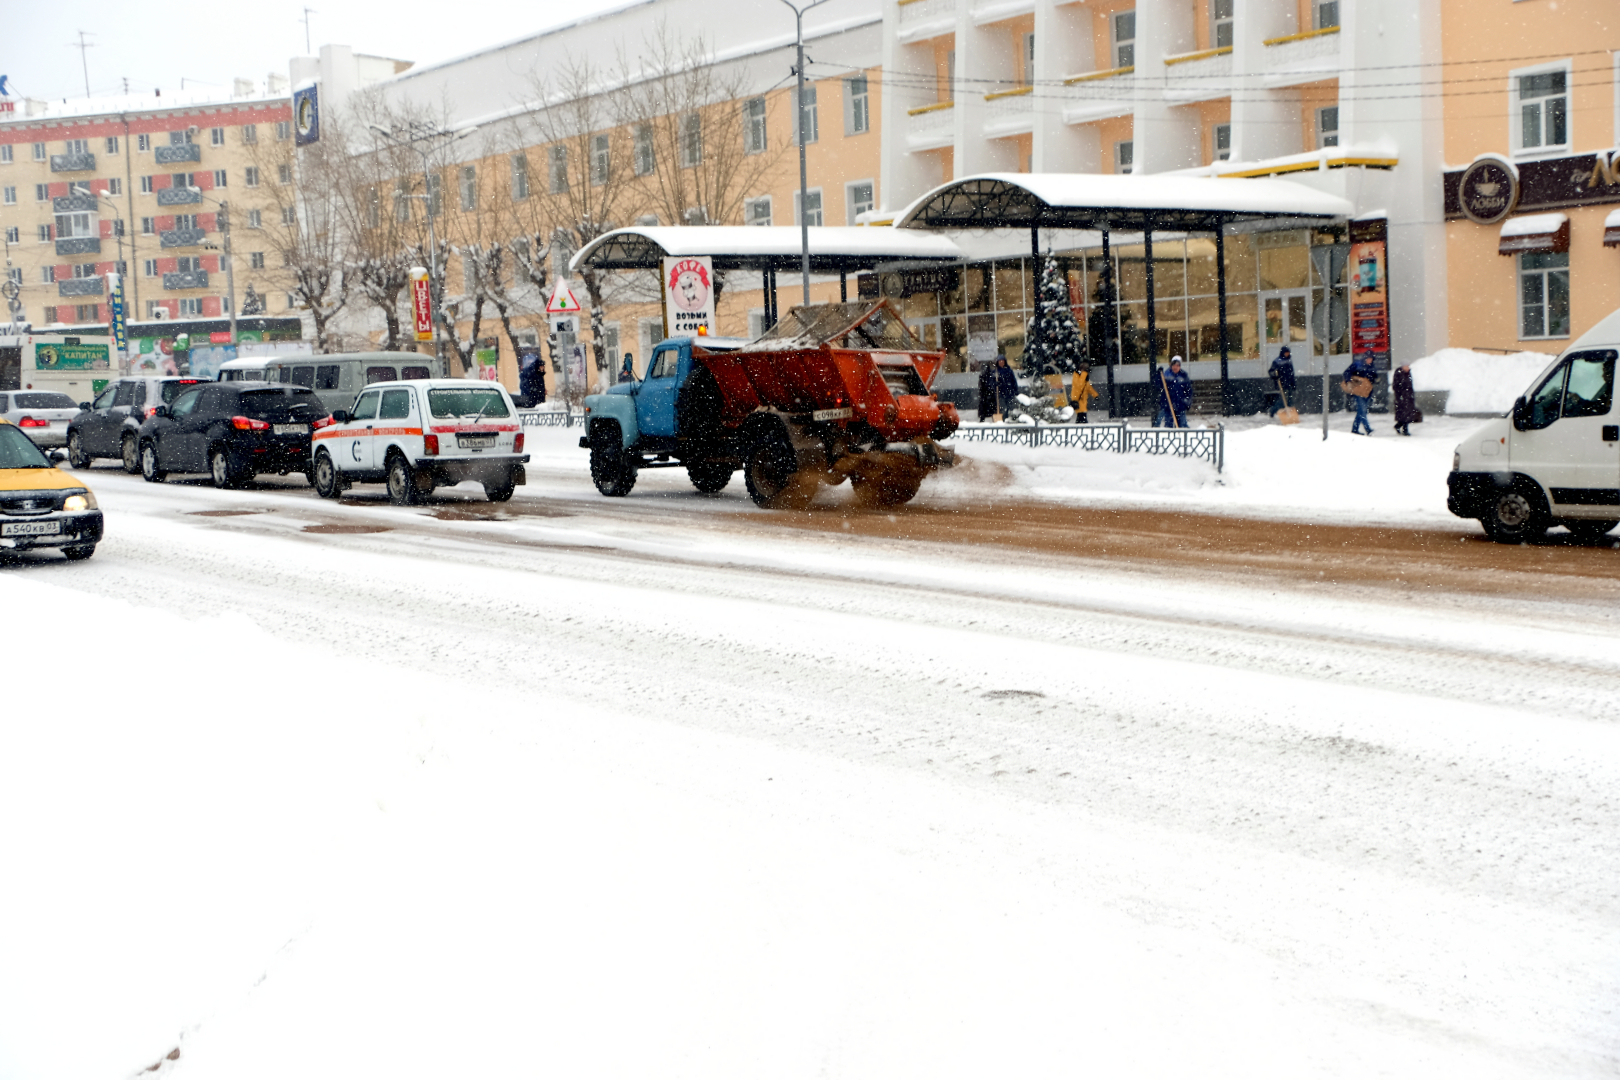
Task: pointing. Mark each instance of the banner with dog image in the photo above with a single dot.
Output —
(688, 296)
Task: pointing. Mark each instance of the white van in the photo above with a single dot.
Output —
(1555, 458)
(247, 369)
(338, 378)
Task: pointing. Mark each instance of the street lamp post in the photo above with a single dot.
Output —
(118, 234)
(804, 173)
(230, 265)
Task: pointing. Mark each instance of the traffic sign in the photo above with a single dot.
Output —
(562, 300)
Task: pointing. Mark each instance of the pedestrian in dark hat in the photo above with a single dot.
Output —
(1282, 377)
(1006, 385)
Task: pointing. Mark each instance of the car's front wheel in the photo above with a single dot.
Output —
(131, 454)
(76, 455)
(324, 477)
(1515, 516)
(149, 465)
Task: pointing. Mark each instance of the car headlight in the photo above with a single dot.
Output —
(86, 501)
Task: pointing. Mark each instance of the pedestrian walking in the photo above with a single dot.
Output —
(531, 380)
(987, 392)
(1406, 410)
(627, 370)
(1006, 386)
(1282, 379)
(1359, 379)
(1175, 396)
(1081, 392)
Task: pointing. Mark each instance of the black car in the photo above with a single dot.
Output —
(232, 431)
(110, 426)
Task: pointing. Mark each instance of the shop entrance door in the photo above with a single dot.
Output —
(927, 330)
(1285, 319)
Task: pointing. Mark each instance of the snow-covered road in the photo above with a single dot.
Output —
(665, 791)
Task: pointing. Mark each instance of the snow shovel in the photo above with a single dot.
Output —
(1175, 421)
(1287, 414)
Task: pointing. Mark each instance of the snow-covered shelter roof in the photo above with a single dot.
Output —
(759, 247)
(1098, 200)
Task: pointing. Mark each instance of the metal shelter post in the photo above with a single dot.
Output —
(843, 285)
(1220, 293)
(1153, 322)
(1106, 278)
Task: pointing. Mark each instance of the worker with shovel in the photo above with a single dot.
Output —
(1282, 377)
(1175, 396)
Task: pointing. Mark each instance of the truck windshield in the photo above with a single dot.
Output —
(462, 403)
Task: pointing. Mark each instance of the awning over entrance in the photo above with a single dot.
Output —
(1535, 233)
(833, 249)
(1120, 203)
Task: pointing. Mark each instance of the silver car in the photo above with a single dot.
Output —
(42, 415)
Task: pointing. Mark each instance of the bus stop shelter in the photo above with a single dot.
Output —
(767, 250)
(1121, 203)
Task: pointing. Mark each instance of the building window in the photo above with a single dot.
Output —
(402, 203)
(1542, 114)
(857, 200)
(806, 115)
(183, 180)
(11, 196)
(112, 144)
(148, 226)
(88, 312)
(5, 154)
(469, 187)
(115, 186)
(811, 207)
(758, 211)
(255, 219)
(1029, 59)
(1124, 156)
(601, 160)
(857, 106)
(50, 314)
(85, 270)
(283, 174)
(42, 193)
(520, 176)
(219, 178)
(646, 158)
(150, 267)
(143, 143)
(1327, 14)
(191, 306)
(45, 236)
(1223, 142)
(179, 138)
(255, 260)
(1220, 20)
(39, 151)
(13, 234)
(754, 126)
(289, 216)
(251, 175)
(146, 185)
(435, 195)
(691, 141)
(292, 302)
(559, 169)
(283, 130)
(47, 275)
(250, 133)
(71, 226)
(1125, 39)
(216, 136)
(1544, 294)
(14, 274)
(1327, 126)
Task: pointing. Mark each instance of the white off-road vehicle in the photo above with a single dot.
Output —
(420, 434)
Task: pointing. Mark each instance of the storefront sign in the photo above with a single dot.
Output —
(1488, 190)
(1545, 184)
(688, 296)
(70, 357)
(421, 303)
(1369, 292)
(115, 304)
(306, 115)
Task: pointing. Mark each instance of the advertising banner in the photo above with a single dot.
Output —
(306, 115)
(115, 302)
(421, 304)
(70, 357)
(688, 296)
(1369, 292)
(488, 361)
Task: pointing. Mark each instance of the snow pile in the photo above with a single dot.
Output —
(1479, 382)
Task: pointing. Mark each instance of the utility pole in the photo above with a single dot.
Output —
(804, 175)
(84, 59)
(307, 13)
(224, 219)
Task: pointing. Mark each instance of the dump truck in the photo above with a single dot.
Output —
(833, 392)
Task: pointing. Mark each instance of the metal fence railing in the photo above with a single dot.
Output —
(1206, 443)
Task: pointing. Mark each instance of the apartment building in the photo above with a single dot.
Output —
(96, 186)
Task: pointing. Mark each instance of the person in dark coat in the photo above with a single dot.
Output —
(1006, 385)
(987, 393)
(627, 370)
(1406, 410)
(531, 381)
(1282, 377)
(1175, 396)
(1360, 369)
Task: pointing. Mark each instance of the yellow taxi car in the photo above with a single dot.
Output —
(41, 506)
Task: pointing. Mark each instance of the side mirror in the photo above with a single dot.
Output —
(57, 457)
(160, 410)
(1521, 413)
(84, 406)
(340, 416)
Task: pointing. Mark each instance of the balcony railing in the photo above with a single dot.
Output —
(79, 245)
(77, 202)
(923, 19)
(929, 127)
(177, 155)
(73, 162)
(186, 279)
(171, 238)
(178, 196)
(1304, 57)
(1098, 95)
(81, 286)
(1199, 76)
(1011, 112)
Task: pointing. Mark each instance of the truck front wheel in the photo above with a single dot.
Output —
(612, 471)
(771, 473)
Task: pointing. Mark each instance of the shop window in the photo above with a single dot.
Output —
(1327, 126)
(1220, 21)
(1544, 295)
(1541, 109)
(1125, 40)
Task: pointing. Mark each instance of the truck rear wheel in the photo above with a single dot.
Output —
(892, 481)
(612, 471)
(771, 473)
(709, 476)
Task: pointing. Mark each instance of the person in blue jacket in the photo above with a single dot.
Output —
(1006, 385)
(1175, 396)
(1360, 369)
(1282, 377)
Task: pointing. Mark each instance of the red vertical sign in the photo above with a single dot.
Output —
(421, 304)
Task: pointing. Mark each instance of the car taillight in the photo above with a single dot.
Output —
(244, 423)
(517, 443)
(324, 421)
(29, 421)
(430, 445)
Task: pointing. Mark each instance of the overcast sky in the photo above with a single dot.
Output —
(158, 42)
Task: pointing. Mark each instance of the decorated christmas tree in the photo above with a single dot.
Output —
(1054, 347)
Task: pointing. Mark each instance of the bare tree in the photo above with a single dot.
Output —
(303, 227)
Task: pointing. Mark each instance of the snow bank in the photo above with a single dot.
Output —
(1479, 382)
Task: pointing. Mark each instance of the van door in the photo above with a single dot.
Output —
(655, 397)
(1564, 436)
